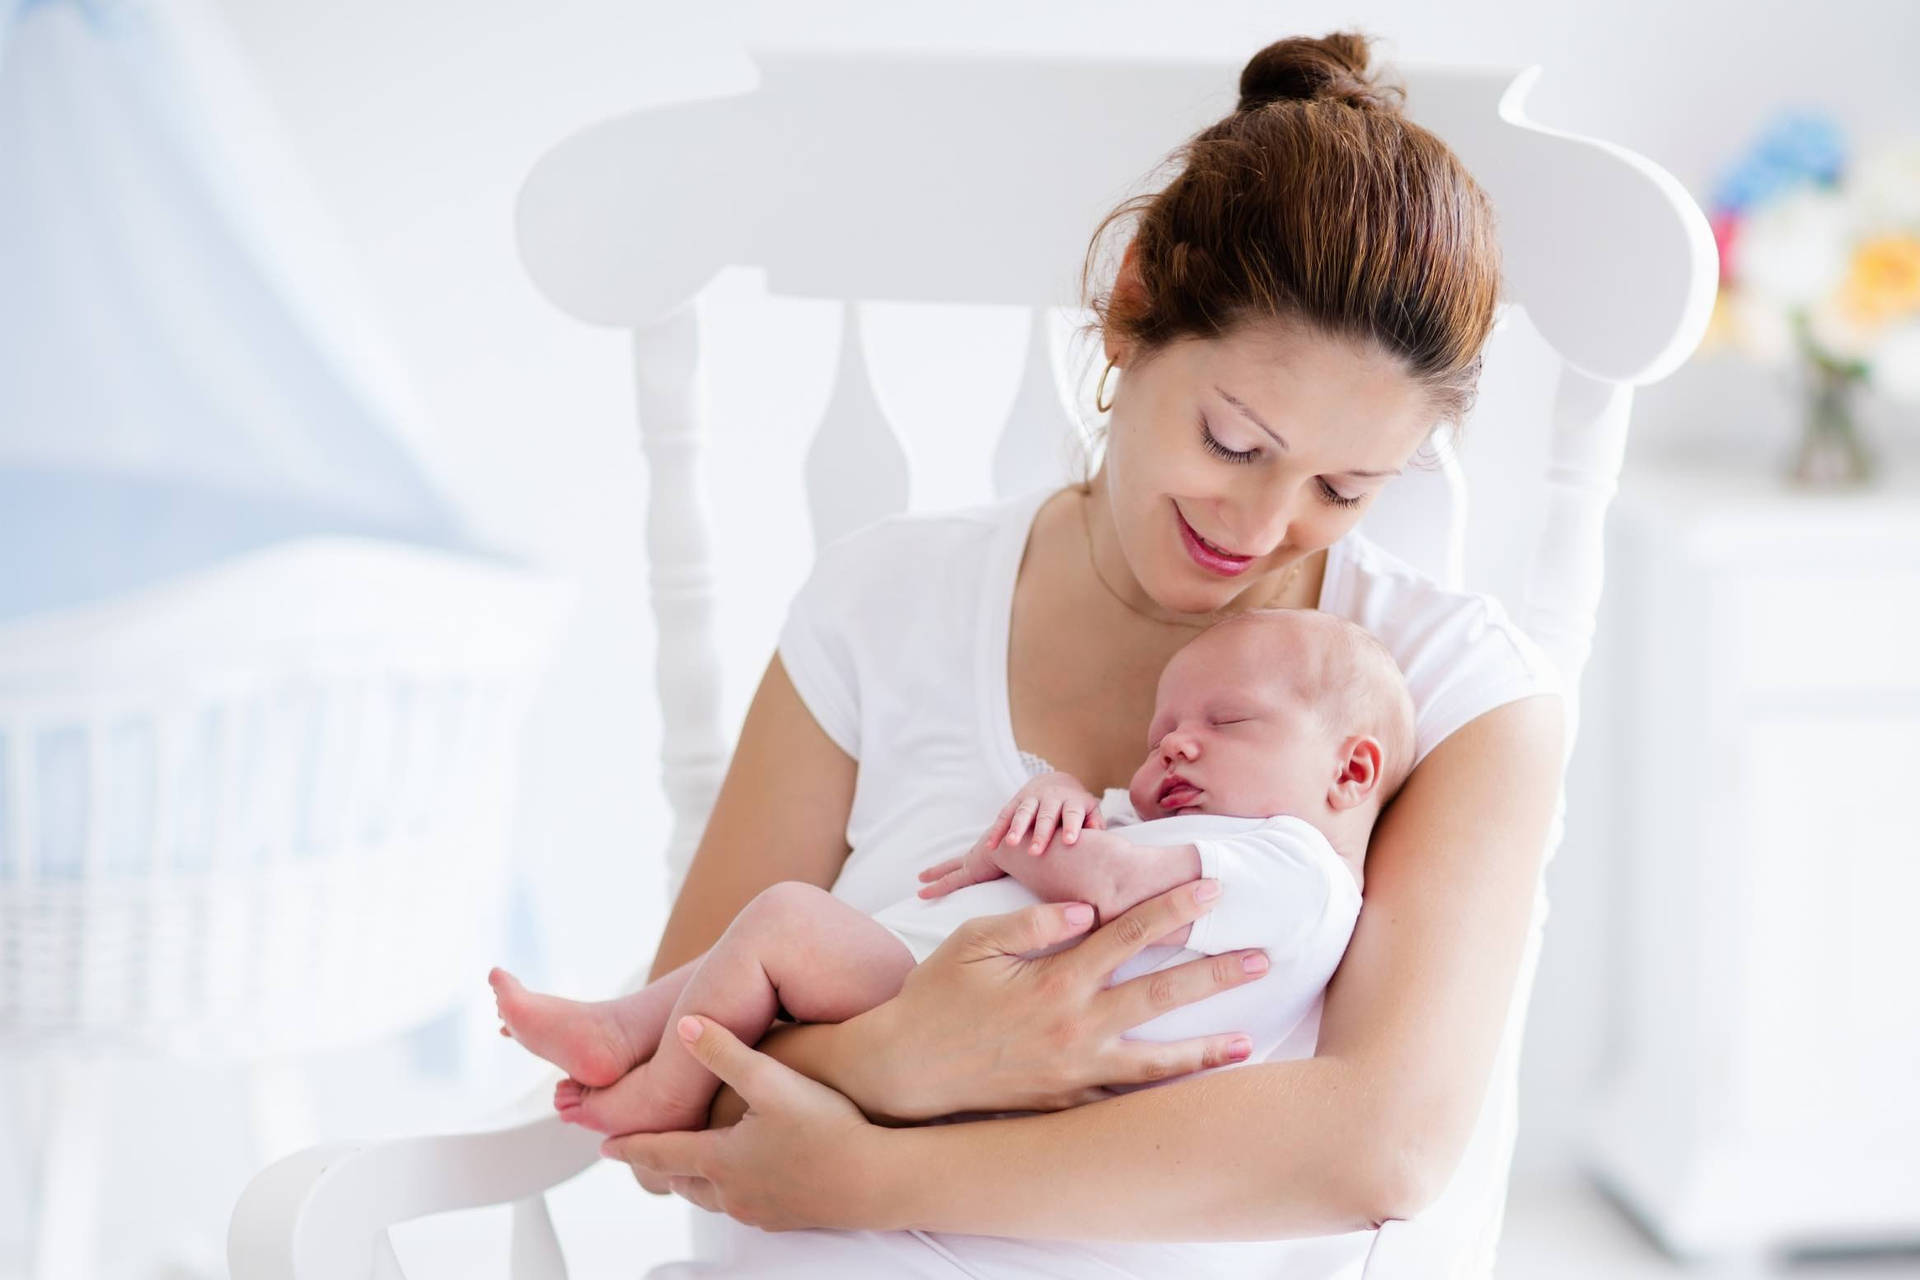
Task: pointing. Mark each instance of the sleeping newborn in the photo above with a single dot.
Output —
(1278, 735)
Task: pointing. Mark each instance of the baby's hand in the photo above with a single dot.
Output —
(1050, 801)
(971, 867)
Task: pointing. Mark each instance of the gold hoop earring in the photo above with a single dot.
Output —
(1101, 389)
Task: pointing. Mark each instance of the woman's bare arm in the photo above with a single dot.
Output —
(781, 815)
(1368, 1129)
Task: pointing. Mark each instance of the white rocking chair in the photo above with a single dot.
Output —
(997, 169)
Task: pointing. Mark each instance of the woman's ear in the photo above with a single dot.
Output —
(1359, 776)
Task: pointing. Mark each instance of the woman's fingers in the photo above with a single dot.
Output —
(1109, 946)
(1145, 1062)
(1149, 995)
(698, 1190)
(1017, 932)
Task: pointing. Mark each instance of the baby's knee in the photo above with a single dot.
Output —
(785, 902)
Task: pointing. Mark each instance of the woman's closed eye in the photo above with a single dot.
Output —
(1328, 493)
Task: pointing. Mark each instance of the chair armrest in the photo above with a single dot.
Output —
(323, 1213)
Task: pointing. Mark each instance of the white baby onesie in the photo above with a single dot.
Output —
(1283, 889)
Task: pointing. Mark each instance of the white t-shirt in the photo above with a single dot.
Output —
(897, 643)
(1283, 889)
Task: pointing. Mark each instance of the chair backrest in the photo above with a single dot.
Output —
(1607, 258)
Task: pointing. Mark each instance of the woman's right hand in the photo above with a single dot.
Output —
(979, 1026)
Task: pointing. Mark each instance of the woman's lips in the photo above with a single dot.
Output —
(1205, 554)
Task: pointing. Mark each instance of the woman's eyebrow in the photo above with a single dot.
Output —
(1284, 446)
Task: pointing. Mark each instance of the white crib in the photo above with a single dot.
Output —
(624, 224)
(252, 812)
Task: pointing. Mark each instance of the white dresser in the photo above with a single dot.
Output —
(1765, 1082)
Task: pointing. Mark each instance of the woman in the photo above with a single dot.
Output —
(1294, 315)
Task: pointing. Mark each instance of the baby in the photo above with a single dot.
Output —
(1278, 735)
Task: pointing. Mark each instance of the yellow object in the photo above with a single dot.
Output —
(1883, 280)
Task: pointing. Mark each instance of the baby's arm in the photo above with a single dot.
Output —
(1101, 868)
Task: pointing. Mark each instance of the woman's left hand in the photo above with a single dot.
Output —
(802, 1155)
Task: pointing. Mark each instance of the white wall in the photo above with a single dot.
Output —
(417, 120)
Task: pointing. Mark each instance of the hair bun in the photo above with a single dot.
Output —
(1330, 68)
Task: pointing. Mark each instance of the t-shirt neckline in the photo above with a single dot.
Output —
(994, 634)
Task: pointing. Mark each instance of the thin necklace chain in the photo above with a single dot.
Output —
(1086, 525)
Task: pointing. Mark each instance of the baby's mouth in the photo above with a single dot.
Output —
(1176, 793)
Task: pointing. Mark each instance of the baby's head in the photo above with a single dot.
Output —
(1279, 711)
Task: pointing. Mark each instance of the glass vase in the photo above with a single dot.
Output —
(1831, 453)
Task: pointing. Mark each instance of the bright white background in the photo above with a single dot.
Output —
(417, 118)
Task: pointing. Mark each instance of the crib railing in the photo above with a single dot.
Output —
(253, 812)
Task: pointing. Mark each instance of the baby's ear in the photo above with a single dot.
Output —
(1359, 772)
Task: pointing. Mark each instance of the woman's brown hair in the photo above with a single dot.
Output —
(1317, 203)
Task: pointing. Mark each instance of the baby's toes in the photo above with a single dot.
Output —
(568, 1094)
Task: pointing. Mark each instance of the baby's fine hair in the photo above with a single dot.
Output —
(1353, 683)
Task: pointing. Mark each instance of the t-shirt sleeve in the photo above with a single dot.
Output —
(816, 645)
(1491, 662)
(1282, 889)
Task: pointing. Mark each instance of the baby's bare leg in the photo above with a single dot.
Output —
(594, 1041)
(795, 945)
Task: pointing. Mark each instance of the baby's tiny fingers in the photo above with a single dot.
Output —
(946, 884)
(1018, 828)
(1071, 821)
(1043, 829)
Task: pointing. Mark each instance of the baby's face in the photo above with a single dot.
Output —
(1231, 736)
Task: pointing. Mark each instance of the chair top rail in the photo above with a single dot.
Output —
(967, 179)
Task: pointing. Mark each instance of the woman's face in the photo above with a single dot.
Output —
(1188, 457)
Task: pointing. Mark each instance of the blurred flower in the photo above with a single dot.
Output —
(1820, 256)
(1883, 283)
(1793, 249)
(1726, 228)
(1834, 328)
(1886, 184)
(1763, 330)
(1797, 147)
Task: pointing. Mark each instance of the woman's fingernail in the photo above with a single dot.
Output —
(689, 1028)
(1238, 1048)
(1255, 963)
(1079, 913)
(1206, 891)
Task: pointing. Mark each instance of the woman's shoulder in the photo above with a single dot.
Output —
(917, 540)
(1461, 651)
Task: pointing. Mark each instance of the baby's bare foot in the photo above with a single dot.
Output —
(584, 1040)
(633, 1104)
